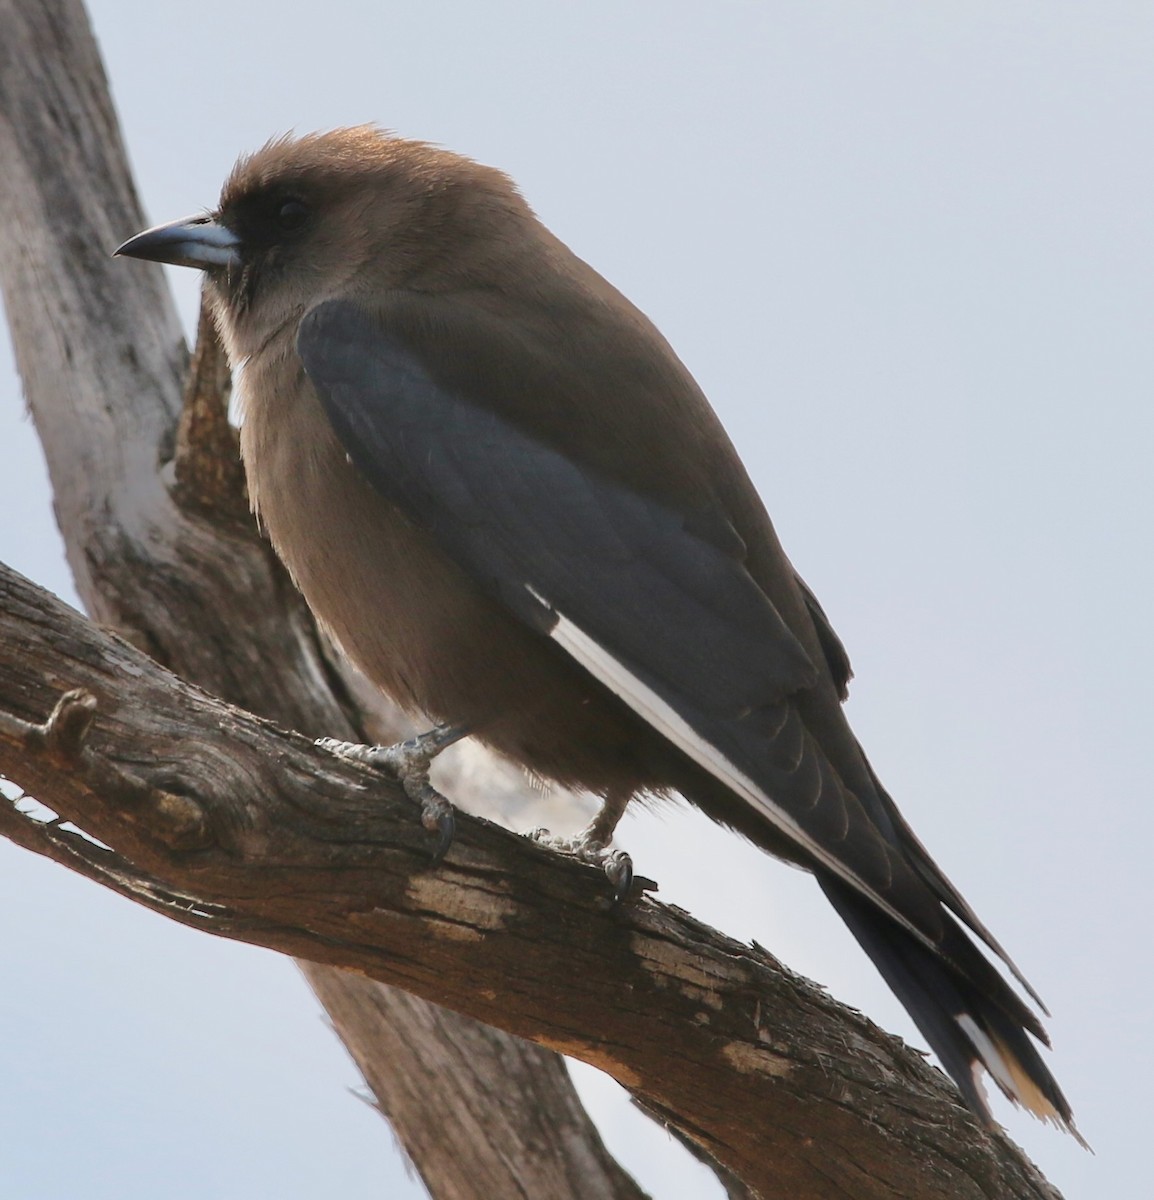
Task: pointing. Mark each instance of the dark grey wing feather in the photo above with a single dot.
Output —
(835, 654)
(668, 597)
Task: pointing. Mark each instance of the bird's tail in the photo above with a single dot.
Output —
(971, 1017)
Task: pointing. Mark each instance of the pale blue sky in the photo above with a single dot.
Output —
(907, 250)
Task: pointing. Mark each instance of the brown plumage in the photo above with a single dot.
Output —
(505, 496)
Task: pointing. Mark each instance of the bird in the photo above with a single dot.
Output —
(507, 500)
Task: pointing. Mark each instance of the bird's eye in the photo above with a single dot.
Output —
(291, 215)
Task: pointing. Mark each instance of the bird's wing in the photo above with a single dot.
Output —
(669, 621)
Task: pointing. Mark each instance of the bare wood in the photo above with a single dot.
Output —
(316, 857)
(156, 528)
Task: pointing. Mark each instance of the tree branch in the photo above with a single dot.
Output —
(222, 821)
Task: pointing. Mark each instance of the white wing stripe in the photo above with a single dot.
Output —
(667, 721)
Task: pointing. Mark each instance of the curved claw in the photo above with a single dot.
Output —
(618, 868)
(437, 817)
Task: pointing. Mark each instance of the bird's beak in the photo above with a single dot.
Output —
(190, 242)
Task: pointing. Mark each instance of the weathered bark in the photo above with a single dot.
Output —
(223, 822)
(218, 820)
(160, 542)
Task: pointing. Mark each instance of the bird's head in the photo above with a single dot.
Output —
(352, 212)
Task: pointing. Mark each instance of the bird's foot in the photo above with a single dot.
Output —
(587, 847)
(408, 763)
